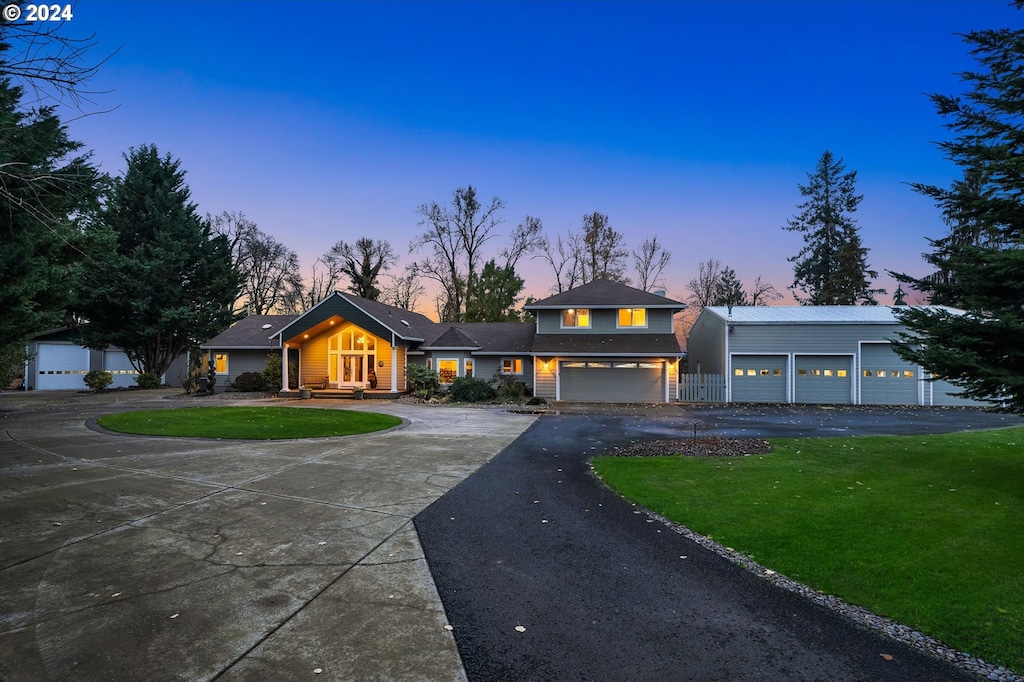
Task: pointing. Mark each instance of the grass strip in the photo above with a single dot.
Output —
(927, 530)
(249, 423)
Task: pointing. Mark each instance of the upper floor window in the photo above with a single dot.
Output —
(576, 317)
(632, 317)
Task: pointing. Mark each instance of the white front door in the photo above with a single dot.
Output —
(351, 370)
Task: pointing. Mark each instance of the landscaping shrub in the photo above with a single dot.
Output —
(509, 389)
(471, 390)
(98, 380)
(251, 382)
(148, 380)
(272, 373)
(422, 380)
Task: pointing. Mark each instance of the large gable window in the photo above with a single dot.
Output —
(447, 371)
(576, 317)
(632, 317)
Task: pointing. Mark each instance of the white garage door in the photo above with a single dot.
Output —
(612, 382)
(116, 362)
(61, 366)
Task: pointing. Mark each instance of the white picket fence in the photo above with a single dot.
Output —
(702, 388)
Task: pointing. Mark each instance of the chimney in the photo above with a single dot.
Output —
(659, 292)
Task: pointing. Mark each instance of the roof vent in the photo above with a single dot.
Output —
(659, 292)
(405, 323)
(267, 326)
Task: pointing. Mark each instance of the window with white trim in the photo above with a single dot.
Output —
(220, 363)
(467, 366)
(447, 370)
(576, 317)
(632, 317)
(511, 365)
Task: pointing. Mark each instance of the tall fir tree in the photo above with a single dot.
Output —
(832, 267)
(729, 289)
(980, 263)
(47, 190)
(162, 282)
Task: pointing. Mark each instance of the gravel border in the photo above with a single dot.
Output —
(897, 631)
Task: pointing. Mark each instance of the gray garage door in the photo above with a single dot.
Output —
(61, 366)
(759, 378)
(116, 362)
(885, 379)
(823, 379)
(612, 382)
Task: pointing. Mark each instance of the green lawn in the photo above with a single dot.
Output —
(253, 423)
(926, 530)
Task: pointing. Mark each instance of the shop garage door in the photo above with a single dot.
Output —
(612, 382)
(116, 362)
(61, 366)
(885, 379)
(759, 378)
(823, 379)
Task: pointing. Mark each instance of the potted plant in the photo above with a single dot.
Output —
(357, 392)
(305, 393)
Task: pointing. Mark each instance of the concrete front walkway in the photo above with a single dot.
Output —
(127, 557)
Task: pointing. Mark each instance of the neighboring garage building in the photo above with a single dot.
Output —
(811, 354)
(59, 362)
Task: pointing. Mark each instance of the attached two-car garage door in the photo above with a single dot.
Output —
(612, 382)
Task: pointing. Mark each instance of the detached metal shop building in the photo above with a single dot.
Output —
(837, 355)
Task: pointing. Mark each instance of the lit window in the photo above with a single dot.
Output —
(880, 374)
(447, 370)
(908, 374)
(828, 372)
(512, 366)
(868, 373)
(632, 317)
(841, 373)
(469, 367)
(751, 372)
(738, 372)
(816, 372)
(576, 317)
(776, 372)
(801, 372)
(764, 372)
(220, 361)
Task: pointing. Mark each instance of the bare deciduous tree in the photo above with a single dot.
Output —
(651, 260)
(761, 293)
(404, 290)
(455, 236)
(705, 285)
(362, 263)
(563, 259)
(603, 250)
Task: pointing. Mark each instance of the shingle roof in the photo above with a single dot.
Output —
(607, 344)
(415, 325)
(251, 332)
(485, 337)
(810, 314)
(604, 293)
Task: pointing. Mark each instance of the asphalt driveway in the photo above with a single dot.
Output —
(130, 558)
(547, 575)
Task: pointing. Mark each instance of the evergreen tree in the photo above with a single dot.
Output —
(496, 295)
(832, 267)
(47, 190)
(728, 289)
(159, 280)
(980, 264)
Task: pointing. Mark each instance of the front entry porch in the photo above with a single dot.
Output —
(343, 394)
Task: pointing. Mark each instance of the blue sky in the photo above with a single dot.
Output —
(692, 121)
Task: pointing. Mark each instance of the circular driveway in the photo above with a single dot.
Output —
(548, 575)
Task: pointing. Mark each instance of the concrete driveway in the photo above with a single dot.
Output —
(127, 557)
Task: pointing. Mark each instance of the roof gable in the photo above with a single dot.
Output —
(374, 316)
(604, 293)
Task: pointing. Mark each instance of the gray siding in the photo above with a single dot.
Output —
(604, 321)
(807, 338)
(706, 346)
(240, 362)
